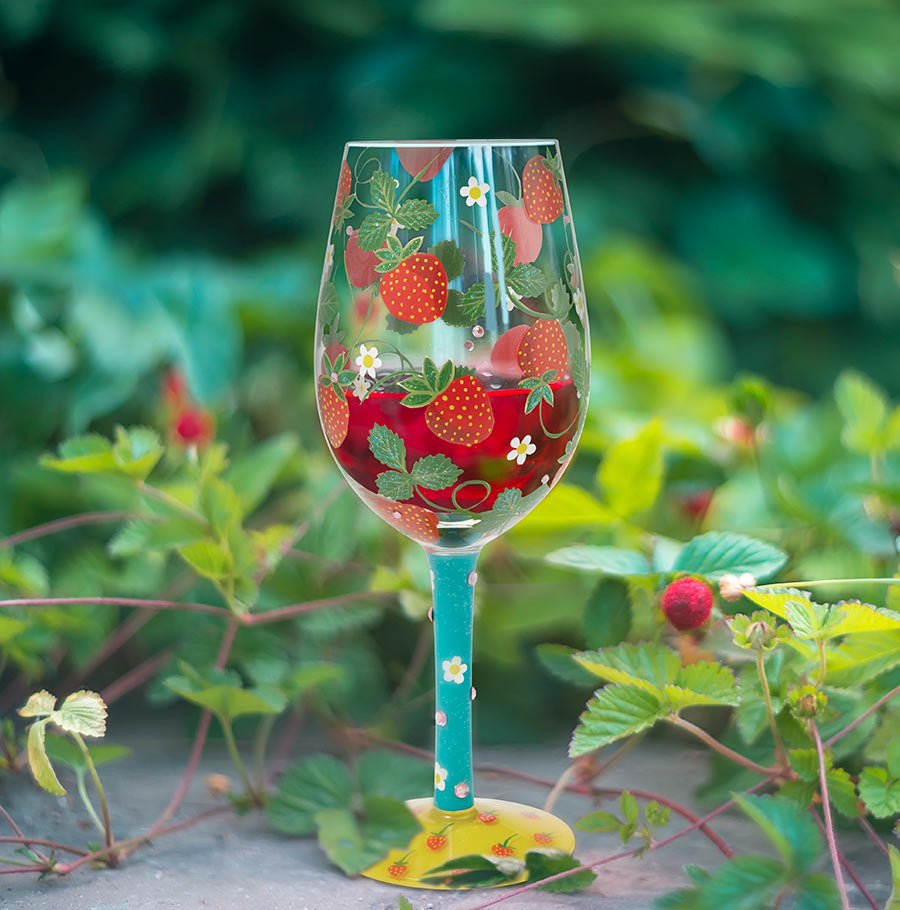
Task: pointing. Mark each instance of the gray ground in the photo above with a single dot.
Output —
(238, 864)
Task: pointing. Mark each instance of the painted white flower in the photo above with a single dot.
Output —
(361, 387)
(454, 670)
(368, 361)
(475, 192)
(578, 300)
(329, 262)
(440, 777)
(510, 293)
(520, 449)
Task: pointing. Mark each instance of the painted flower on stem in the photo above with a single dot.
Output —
(520, 449)
(368, 361)
(578, 300)
(361, 387)
(454, 670)
(475, 192)
(329, 262)
(440, 777)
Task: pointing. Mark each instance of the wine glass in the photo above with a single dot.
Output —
(452, 358)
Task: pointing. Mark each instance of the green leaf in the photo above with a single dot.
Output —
(82, 712)
(435, 472)
(383, 188)
(607, 560)
(816, 892)
(861, 658)
(557, 660)
(632, 471)
(83, 455)
(793, 833)
(863, 407)
(452, 258)
(479, 871)
(395, 485)
(842, 792)
(136, 537)
(226, 701)
(471, 309)
(41, 768)
(527, 279)
(598, 821)
(387, 447)
(702, 683)
(720, 553)
(894, 900)
(387, 823)
(136, 451)
(630, 808)
(417, 214)
(253, 475)
(23, 574)
(805, 763)
(374, 231)
(207, 558)
(648, 666)
(614, 712)
(542, 864)
(403, 903)
(385, 773)
(315, 783)
(573, 507)
(40, 704)
(879, 792)
(743, 883)
(607, 614)
(63, 750)
(10, 628)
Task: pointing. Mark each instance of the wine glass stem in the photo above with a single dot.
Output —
(453, 582)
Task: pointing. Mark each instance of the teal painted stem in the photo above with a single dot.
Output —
(453, 582)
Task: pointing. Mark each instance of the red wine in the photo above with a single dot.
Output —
(486, 468)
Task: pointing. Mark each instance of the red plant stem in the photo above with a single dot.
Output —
(134, 677)
(10, 821)
(846, 864)
(714, 744)
(826, 811)
(286, 741)
(62, 524)
(11, 869)
(873, 834)
(254, 619)
(42, 843)
(115, 602)
(881, 701)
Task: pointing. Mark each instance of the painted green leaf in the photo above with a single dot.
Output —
(435, 472)
(329, 303)
(395, 485)
(607, 614)
(631, 473)
(383, 188)
(374, 231)
(452, 258)
(207, 558)
(719, 553)
(471, 308)
(41, 768)
(616, 711)
(453, 312)
(315, 783)
(387, 447)
(879, 792)
(559, 300)
(863, 407)
(508, 198)
(544, 863)
(606, 560)
(82, 712)
(527, 279)
(417, 214)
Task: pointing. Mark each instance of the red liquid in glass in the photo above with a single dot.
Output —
(486, 461)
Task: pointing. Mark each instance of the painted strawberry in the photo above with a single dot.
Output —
(457, 408)
(416, 289)
(487, 817)
(345, 181)
(503, 848)
(360, 264)
(541, 838)
(415, 158)
(414, 521)
(332, 338)
(398, 869)
(505, 353)
(525, 233)
(543, 347)
(334, 410)
(438, 839)
(541, 190)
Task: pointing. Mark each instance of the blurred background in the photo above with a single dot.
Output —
(167, 173)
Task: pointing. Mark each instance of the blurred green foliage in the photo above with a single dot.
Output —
(168, 174)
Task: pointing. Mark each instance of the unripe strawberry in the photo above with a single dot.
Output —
(194, 427)
(687, 603)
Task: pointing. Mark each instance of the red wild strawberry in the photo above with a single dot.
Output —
(415, 158)
(414, 521)
(525, 233)
(687, 603)
(541, 192)
(438, 839)
(457, 410)
(416, 289)
(360, 264)
(194, 427)
(541, 838)
(487, 817)
(543, 347)
(345, 180)
(503, 848)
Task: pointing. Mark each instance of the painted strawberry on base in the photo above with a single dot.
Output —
(543, 348)
(541, 190)
(503, 848)
(438, 839)
(415, 290)
(488, 818)
(398, 869)
(457, 408)
(541, 838)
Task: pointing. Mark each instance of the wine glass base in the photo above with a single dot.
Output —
(494, 828)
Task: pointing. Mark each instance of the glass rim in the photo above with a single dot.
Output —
(443, 143)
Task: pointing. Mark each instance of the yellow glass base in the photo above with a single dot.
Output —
(494, 828)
